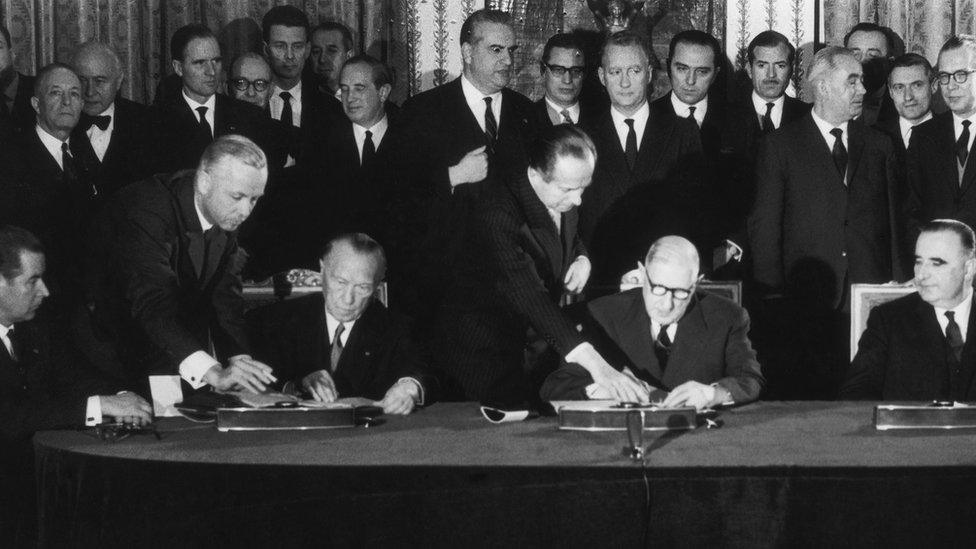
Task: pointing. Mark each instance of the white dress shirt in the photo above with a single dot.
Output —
(211, 105)
(656, 329)
(905, 127)
(961, 315)
(776, 115)
(682, 109)
(52, 144)
(100, 138)
(277, 104)
(331, 324)
(554, 109)
(640, 122)
(4, 330)
(378, 130)
(476, 102)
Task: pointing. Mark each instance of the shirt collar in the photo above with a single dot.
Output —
(682, 109)
(4, 330)
(760, 103)
(331, 324)
(204, 224)
(378, 129)
(961, 311)
(825, 127)
(904, 125)
(110, 112)
(295, 91)
(639, 117)
(209, 103)
(51, 143)
(573, 110)
(474, 96)
(957, 123)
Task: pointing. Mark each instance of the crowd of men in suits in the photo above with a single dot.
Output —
(129, 228)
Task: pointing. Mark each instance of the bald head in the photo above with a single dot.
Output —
(676, 251)
(671, 268)
(100, 71)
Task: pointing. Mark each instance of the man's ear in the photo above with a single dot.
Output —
(603, 75)
(178, 68)
(384, 91)
(466, 53)
(34, 103)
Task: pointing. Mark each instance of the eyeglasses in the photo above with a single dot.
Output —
(242, 84)
(558, 70)
(680, 294)
(959, 76)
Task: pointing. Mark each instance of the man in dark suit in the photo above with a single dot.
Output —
(15, 89)
(770, 65)
(167, 299)
(114, 133)
(55, 196)
(688, 348)
(453, 143)
(343, 342)
(43, 385)
(331, 46)
(824, 218)
(649, 180)
(941, 180)
(187, 123)
(563, 67)
(917, 347)
(250, 80)
(911, 85)
(873, 46)
(503, 300)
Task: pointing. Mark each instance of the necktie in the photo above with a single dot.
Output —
(839, 152)
(566, 118)
(210, 255)
(962, 145)
(337, 346)
(491, 127)
(68, 165)
(767, 119)
(286, 114)
(630, 150)
(101, 121)
(691, 115)
(204, 128)
(954, 337)
(369, 149)
(662, 346)
(11, 350)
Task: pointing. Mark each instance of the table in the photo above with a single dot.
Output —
(777, 473)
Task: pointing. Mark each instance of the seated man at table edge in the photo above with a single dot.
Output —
(916, 347)
(344, 342)
(42, 384)
(691, 345)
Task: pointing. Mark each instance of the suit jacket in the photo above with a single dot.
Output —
(292, 337)
(934, 190)
(624, 210)
(22, 115)
(175, 127)
(903, 354)
(811, 233)
(437, 129)
(131, 150)
(156, 299)
(711, 346)
(509, 281)
(319, 110)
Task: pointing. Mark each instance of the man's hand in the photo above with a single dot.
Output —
(471, 169)
(127, 408)
(621, 386)
(577, 275)
(633, 277)
(724, 253)
(321, 386)
(692, 393)
(242, 372)
(400, 398)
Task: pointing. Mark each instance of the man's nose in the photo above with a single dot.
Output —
(770, 71)
(690, 78)
(42, 290)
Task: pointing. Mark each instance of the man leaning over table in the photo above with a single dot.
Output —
(689, 348)
(343, 342)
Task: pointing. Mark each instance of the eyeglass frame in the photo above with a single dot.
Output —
(939, 77)
(248, 83)
(686, 292)
(559, 71)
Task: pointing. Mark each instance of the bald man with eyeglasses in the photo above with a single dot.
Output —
(689, 348)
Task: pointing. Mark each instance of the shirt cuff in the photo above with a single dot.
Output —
(195, 366)
(579, 350)
(419, 401)
(727, 397)
(737, 250)
(93, 412)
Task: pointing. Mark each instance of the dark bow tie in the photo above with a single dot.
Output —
(101, 121)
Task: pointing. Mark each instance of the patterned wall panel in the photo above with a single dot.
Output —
(795, 19)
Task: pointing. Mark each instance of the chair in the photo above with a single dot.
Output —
(865, 297)
(301, 281)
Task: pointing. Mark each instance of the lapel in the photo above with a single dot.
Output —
(819, 158)
(855, 148)
(347, 148)
(968, 361)
(688, 342)
(355, 363)
(570, 220)
(540, 225)
(222, 118)
(512, 122)
(931, 343)
(944, 147)
(636, 336)
(465, 126)
(793, 109)
(612, 154)
(657, 134)
(192, 231)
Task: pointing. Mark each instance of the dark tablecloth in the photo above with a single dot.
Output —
(777, 473)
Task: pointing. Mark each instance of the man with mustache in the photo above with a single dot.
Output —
(917, 347)
(452, 142)
(191, 120)
(823, 218)
(167, 297)
(940, 176)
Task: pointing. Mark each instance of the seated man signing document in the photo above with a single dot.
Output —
(690, 345)
(343, 342)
